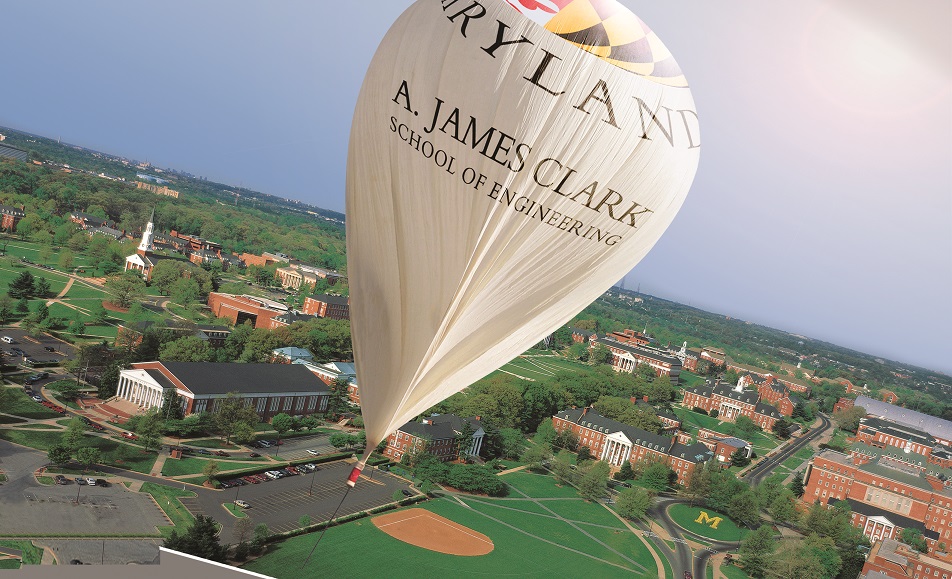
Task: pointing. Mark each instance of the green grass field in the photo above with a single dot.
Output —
(114, 452)
(537, 485)
(31, 555)
(523, 547)
(686, 517)
(167, 499)
(540, 368)
(176, 467)
(690, 380)
(19, 404)
(211, 443)
(734, 572)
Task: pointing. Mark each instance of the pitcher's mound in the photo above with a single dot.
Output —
(424, 529)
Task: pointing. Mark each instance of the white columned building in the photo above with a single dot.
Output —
(617, 449)
(138, 387)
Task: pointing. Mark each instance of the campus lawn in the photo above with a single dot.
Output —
(690, 380)
(114, 453)
(9, 272)
(696, 420)
(210, 443)
(168, 500)
(734, 572)
(541, 368)
(515, 554)
(38, 426)
(10, 420)
(31, 555)
(537, 485)
(686, 515)
(176, 467)
(34, 439)
(89, 294)
(9, 564)
(19, 404)
(517, 505)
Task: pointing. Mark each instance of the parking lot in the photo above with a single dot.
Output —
(296, 448)
(30, 508)
(35, 347)
(281, 503)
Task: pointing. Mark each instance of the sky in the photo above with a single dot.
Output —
(823, 201)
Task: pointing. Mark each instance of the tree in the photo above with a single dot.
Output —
(149, 429)
(464, 441)
(782, 428)
(98, 314)
(633, 503)
(783, 509)
(755, 551)
(304, 521)
(913, 537)
(210, 469)
(657, 476)
(186, 349)
(739, 458)
(281, 423)
(70, 391)
(74, 434)
(6, 309)
(23, 305)
(562, 467)
(231, 413)
(397, 496)
(261, 535)
(511, 443)
(585, 453)
(745, 426)
(65, 261)
(88, 456)
(593, 484)
(243, 528)
(22, 286)
(600, 354)
(125, 288)
(185, 291)
(701, 480)
(59, 454)
(200, 539)
(848, 419)
(796, 485)
(744, 509)
(41, 287)
(625, 473)
(536, 454)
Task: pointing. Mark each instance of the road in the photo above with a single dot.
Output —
(682, 558)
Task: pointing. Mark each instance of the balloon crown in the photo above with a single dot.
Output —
(608, 30)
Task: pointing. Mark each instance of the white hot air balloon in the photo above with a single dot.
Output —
(509, 161)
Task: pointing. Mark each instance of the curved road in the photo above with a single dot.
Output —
(682, 559)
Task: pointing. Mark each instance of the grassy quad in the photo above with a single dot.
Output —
(685, 516)
(516, 554)
(19, 404)
(114, 452)
(183, 466)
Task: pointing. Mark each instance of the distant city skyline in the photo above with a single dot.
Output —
(822, 206)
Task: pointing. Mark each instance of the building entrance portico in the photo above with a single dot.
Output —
(138, 387)
(617, 449)
(728, 412)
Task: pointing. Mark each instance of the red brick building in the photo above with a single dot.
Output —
(895, 560)
(437, 435)
(240, 309)
(10, 217)
(288, 318)
(580, 336)
(616, 442)
(258, 260)
(722, 444)
(269, 388)
(327, 306)
(731, 402)
(843, 404)
(626, 357)
(886, 494)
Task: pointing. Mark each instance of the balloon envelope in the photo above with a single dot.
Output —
(508, 162)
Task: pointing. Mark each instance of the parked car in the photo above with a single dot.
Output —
(264, 444)
(128, 435)
(273, 474)
(204, 451)
(101, 482)
(221, 453)
(406, 493)
(313, 452)
(80, 480)
(90, 481)
(254, 455)
(251, 479)
(49, 348)
(7, 339)
(242, 504)
(224, 484)
(61, 480)
(37, 398)
(293, 470)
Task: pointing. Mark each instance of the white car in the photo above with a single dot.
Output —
(242, 504)
(314, 452)
(91, 481)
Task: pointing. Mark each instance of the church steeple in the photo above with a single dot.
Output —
(145, 246)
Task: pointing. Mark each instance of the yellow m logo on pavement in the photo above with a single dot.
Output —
(705, 518)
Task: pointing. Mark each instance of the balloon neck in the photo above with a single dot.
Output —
(355, 472)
